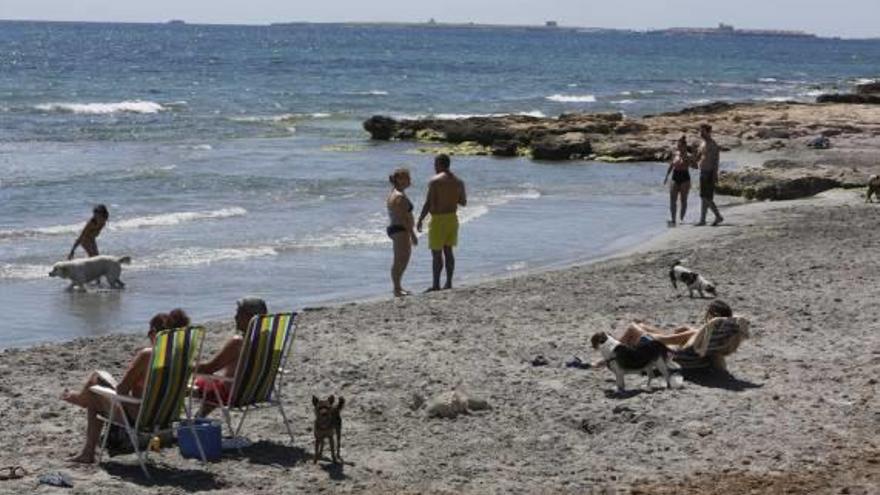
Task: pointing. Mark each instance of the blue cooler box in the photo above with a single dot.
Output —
(209, 433)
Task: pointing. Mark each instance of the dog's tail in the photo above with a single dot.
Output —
(125, 260)
(672, 272)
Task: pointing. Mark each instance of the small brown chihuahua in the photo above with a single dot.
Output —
(327, 422)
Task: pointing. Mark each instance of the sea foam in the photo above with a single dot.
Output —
(572, 98)
(161, 220)
(132, 106)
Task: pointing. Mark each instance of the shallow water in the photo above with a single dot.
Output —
(233, 162)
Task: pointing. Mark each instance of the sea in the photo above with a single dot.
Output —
(233, 159)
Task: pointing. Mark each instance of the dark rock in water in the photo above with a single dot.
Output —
(505, 148)
(709, 108)
(562, 147)
(869, 99)
(773, 133)
(871, 88)
(380, 127)
(631, 151)
(819, 143)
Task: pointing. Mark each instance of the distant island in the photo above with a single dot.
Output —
(728, 30)
(722, 29)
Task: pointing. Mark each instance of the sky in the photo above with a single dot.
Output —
(846, 18)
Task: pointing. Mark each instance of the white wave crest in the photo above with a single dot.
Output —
(132, 106)
(461, 116)
(167, 219)
(623, 102)
(767, 79)
(776, 99)
(372, 92)
(283, 118)
(161, 220)
(572, 98)
(813, 93)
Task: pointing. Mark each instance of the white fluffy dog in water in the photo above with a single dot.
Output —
(85, 270)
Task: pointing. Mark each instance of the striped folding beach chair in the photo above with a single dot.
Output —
(171, 365)
(260, 370)
(724, 337)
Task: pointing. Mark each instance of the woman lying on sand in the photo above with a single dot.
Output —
(679, 337)
(132, 384)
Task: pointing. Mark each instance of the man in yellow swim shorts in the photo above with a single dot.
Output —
(445, 194)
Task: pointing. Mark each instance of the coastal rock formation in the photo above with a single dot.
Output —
(790, 129)
(871, 88)
(860, 98)
(785, 179)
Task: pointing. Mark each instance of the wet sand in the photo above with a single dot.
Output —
(798, 412)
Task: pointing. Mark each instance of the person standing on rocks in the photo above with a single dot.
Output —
(446, 193)
(708, 158)
(681, 179)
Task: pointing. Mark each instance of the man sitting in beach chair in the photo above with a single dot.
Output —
(708, 346)
(226, 360)
(250, 363)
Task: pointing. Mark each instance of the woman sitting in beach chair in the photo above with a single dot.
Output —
(132, 383)
(707, 346)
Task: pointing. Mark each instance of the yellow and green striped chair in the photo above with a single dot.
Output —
(173, 359)
(259, 372)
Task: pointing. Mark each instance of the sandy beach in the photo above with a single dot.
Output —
(797, 414)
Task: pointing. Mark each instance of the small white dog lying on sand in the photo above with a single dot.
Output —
(85, 270)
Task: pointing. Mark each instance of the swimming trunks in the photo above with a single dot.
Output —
(207, 388)
(681, 176)
(443, 231)
(707, 185)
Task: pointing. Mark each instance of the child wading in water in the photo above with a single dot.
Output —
(89, 235)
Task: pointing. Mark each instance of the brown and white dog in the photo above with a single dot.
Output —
(328, 422)
(649, 356)
(873, 188)
(693, 280)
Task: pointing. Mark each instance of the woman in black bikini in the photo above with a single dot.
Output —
(401, 227)
(681, 178)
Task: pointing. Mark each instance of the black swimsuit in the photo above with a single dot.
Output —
(393, 229)
(681, 176)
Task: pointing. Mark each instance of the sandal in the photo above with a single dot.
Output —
(12, 473)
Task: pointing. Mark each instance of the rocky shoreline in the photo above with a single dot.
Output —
(810, 147)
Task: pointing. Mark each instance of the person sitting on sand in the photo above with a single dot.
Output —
(226, 360)
(132, 383)
(89, 235)
(401, 228)
(680, 336)
(708, 159)
(445, 194)
(681, 179)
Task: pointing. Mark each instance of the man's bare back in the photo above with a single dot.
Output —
(445, 193)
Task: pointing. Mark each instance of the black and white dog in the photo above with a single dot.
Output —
(694, 281)
(648, 357)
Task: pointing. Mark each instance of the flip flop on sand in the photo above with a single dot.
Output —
(12, 473)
